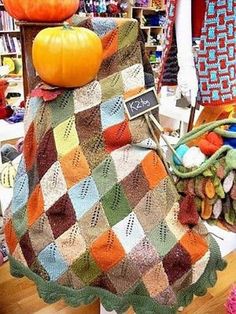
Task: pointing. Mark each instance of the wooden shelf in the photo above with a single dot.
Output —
(10, 54)
(10, 32)
(151, 46)
(155, 62)
(149, 9)
(152, 27)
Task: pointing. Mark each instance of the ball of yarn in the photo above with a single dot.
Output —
(193, 158)
(181, 151)
(231, 141)
(211, 143)
(231, 302)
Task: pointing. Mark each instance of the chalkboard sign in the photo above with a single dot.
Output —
(141, 103)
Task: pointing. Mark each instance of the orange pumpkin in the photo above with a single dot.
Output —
(67, 56)
(41, 10)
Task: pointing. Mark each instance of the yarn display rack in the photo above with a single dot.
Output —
(104, 8)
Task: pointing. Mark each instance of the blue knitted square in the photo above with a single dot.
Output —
(52, 261)
(83, 196)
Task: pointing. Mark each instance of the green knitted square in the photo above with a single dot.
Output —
(116, 205)
(162, 239)
(20, 222)
(112, 86)
(105, 176)
(128, 33)
(65, 108)
(85, 268)
(42, 122)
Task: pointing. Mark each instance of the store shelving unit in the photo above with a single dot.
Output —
(149, 19)
(153, 31)
(12, 32)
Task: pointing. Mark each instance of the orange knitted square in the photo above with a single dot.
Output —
(35, 206)
(107, 250)
(10, 236)
(133, 92)
(110, 43)
(195, 245)
(154, 169)
(74, 166)
(30, 146)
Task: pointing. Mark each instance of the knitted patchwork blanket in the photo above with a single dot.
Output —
(94, 212)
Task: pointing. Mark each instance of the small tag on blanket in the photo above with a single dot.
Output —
(141, 103)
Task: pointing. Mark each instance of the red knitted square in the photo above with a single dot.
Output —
(110, 43)
(117, 136)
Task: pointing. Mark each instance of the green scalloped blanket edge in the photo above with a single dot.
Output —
(52, 292)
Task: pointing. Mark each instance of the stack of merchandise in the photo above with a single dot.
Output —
(7, 23)
(9, 44)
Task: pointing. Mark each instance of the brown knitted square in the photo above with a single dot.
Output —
(124, 276)
(61, 215)
(139, 255)
(176, 263)
(41, 234)
(93, 223)
(154, 275)
(135, 186)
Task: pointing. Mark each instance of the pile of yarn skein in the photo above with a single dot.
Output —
(212, 193)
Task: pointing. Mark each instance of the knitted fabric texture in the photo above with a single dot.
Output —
(94, 212)
(215, 60)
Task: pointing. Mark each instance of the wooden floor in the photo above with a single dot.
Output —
(19, 296)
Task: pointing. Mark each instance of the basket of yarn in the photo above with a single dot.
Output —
(206, 174)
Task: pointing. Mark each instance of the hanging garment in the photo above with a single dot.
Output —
(94, 212)
(215, 60)
(198, 17)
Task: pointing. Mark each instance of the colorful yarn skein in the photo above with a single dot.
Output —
(210, 143)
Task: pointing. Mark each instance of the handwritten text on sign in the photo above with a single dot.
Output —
(141, 103)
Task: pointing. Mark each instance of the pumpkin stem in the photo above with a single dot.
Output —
(66, 25)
